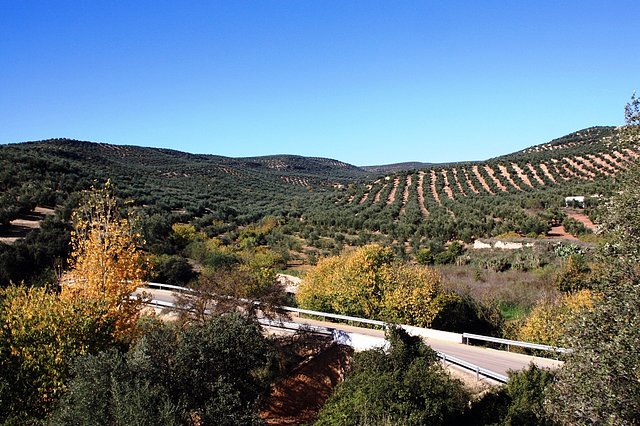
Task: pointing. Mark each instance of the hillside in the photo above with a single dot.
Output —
(455, 200)
(396, 167)
(466, 200)
(50, 170)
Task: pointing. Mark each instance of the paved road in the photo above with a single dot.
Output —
(491, 359)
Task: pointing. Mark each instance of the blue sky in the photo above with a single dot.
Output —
(366, 82)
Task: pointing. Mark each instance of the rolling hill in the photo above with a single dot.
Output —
(403, 200)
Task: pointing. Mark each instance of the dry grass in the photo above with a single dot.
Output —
(509, 288)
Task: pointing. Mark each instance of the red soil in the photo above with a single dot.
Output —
(580, 217)
(297, 398)
(522, 175)
(546, 172)
(481, 179)
(505, 173)
(614, 160)
(592, 166)
(602, 163)
(559, 232)
(423, 209)
(555, 163)
(492, 175)
(534, 173)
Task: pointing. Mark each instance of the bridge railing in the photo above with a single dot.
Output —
(473, 367)
(429, 333)
(469, 336)
(423, 332)
(479, 371)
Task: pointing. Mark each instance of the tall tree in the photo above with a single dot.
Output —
(106, 263)
(632, 111)
(600, 381)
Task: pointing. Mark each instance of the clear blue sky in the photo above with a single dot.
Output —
(366, 82)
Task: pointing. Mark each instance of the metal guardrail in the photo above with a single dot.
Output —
(447, 358)
(161, 286)
(467, 336)
(478, 370)
(334, 316)
(329, 331)
(284, 308)
(294, 326)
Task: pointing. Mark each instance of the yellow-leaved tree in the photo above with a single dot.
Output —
(368, 282)
(548, 320)
(40, 336)
(41, 333)
(106, 264)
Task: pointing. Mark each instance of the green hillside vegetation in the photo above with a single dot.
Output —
(320, 207)
(387, 246)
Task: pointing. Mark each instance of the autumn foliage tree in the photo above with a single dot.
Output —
(41, 332)
(549, 320)
(106, 263)
(368, 282)
(40, 335)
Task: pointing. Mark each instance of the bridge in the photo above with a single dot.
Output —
(480, 361)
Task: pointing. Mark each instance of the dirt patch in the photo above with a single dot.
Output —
(365, 196)
(521, 174)
(405, 194)
(534, 173)
(588, 166)
(376, 199)
(602, 162)
(584, 219)
(423, 209)
(20, 227)
(446, 188)
(392, 195)
(614, 160)
(457, 181)
(481, 180)
(492, 175)
(555, 163)
(570, 168)
(469, 183)
(505, 173)
(547, 173)
(560, 233)
(434, 191)
(297, 398)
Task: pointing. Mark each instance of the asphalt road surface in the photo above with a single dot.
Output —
(491, 359)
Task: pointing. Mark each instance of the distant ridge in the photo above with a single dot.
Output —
(409, 200)
(396, 167)
(586, 160)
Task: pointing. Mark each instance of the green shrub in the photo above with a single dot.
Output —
(405, 385)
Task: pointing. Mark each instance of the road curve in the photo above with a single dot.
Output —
(491, 359)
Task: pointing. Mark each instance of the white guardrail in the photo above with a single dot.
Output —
(423, 332)
(467, 336)
(469, 366)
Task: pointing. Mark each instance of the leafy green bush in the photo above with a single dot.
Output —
(174, 270)
(209, 373)
(405, 385)
(519, 402)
